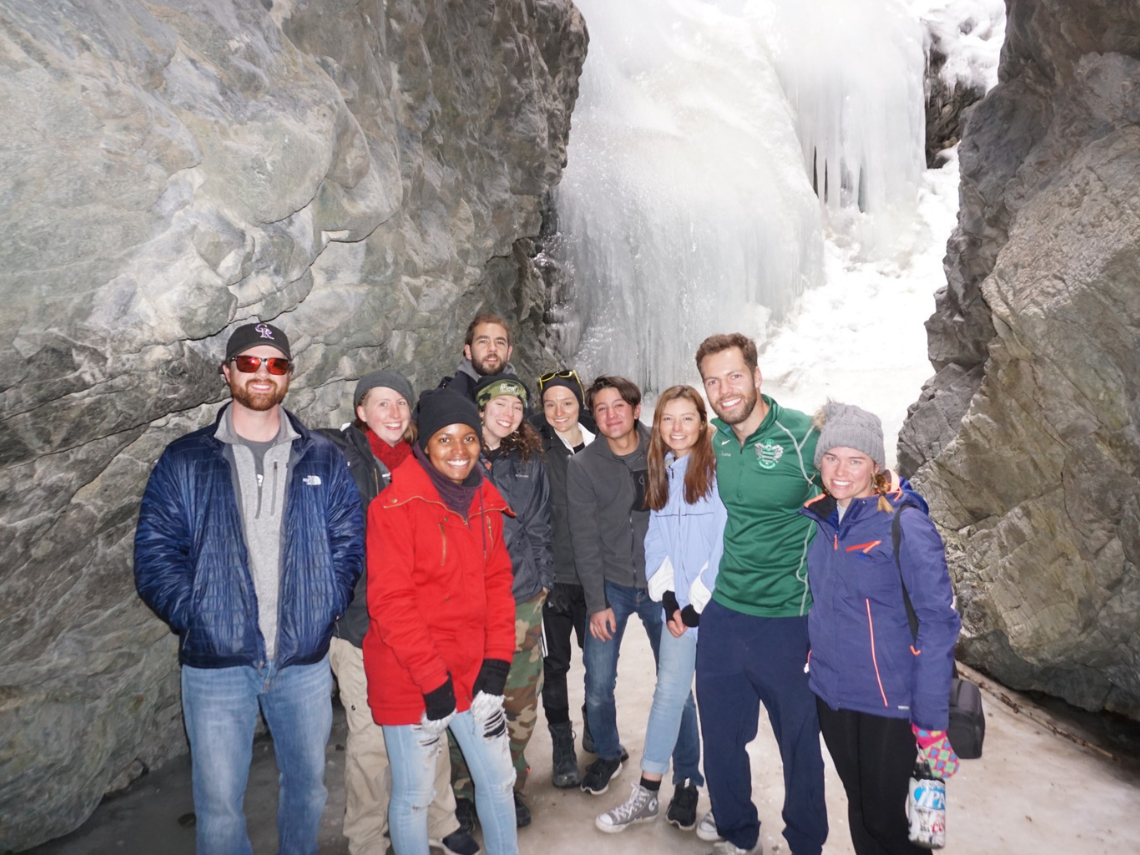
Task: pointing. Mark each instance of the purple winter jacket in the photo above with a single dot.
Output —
(863, 656)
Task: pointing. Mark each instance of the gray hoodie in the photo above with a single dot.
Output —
(607, 532)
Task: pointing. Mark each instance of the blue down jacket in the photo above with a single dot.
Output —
(191, 564)
(863, 656)
(684, 542)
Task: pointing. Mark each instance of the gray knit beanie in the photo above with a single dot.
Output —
(848, 426)
(387, 378)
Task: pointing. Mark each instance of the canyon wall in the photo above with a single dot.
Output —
(1027, 440)
(365, 174)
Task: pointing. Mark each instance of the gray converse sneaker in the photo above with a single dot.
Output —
(641, 806)
(706, 828)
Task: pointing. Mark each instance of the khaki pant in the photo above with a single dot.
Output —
(367, 779)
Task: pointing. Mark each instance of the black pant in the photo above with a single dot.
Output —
(563, 615)
(874, 756)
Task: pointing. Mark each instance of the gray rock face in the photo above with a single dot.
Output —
(1027, 441)
(364, 173)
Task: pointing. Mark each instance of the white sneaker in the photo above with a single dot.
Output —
(706, 828)
(727, 848)
(641, 806)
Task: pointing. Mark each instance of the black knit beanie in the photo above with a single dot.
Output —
(439, 408)
(570, 383)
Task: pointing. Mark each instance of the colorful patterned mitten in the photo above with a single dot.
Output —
(935, 748)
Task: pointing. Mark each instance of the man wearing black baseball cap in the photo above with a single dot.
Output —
(249, 543)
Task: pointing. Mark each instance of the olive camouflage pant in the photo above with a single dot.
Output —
(524, 683)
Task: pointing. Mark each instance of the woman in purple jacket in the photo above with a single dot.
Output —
(882, 693)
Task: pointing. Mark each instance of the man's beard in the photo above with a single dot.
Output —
(745, 409)
(259, 401)
(483, 370)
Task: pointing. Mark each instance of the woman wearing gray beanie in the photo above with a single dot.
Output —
(882, 685)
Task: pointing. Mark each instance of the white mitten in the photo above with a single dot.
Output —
(488, 712)
(435, 726)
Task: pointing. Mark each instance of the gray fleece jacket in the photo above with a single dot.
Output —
(607, 531)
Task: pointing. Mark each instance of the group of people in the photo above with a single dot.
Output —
(441, 555)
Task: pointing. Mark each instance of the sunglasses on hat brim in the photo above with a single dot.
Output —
(565, 374)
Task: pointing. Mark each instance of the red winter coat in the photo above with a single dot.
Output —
(439, 594)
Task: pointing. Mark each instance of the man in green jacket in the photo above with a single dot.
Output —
(754, 642)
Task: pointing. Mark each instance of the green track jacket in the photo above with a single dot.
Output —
(763, 484)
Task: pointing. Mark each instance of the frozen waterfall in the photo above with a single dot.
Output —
(687, 206)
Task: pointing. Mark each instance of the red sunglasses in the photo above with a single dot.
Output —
(273, 364)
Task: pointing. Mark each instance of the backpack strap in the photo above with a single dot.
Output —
(896, 537)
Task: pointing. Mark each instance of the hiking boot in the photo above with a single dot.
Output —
(641, 806)
(727, 848)
(565, 773)
(599, 774)
(706, 828)
(683, 808)
(522, 812)
(459, 843)
(466, 815)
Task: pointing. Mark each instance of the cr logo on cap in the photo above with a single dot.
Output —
(265, 331)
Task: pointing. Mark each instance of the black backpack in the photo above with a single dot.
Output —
(967, 729)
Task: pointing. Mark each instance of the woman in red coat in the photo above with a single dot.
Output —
(442, 633)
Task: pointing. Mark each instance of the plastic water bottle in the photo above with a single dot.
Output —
(926, 809)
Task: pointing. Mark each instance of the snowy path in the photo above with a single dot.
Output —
(860, 338)
(1034, 793)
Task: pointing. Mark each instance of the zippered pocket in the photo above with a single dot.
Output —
(874, 655)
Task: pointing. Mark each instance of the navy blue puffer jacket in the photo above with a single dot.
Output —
(191, 564)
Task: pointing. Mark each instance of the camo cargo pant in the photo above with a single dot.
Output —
(524, 683)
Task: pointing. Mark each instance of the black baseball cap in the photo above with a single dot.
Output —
(254, 335)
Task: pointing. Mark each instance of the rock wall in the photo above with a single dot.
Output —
(365, 174)
(1027, 440)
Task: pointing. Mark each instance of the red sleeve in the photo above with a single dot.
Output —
(500, 629)
(393, 601)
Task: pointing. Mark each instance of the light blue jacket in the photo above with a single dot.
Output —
(684, 542)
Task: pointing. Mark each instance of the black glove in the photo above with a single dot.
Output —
(669, 601)
(492, 677)
(690, 616)
(558, 600)
(440, 703)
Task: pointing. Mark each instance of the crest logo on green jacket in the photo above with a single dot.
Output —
(769, 454)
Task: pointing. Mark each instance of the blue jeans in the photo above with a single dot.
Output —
(601, 658)
(412, 756)
(220, 707)
(676, 664)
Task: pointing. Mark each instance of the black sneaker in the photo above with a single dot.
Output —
(466, 815)
(459, 843)
(565, 758)
(522, 812)
(599, 774)
(683, 808)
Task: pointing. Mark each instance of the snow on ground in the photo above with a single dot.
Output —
(1033, 793)
(860, 338)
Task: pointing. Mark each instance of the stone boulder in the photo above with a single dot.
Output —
(1027, 441)
(365, 174)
